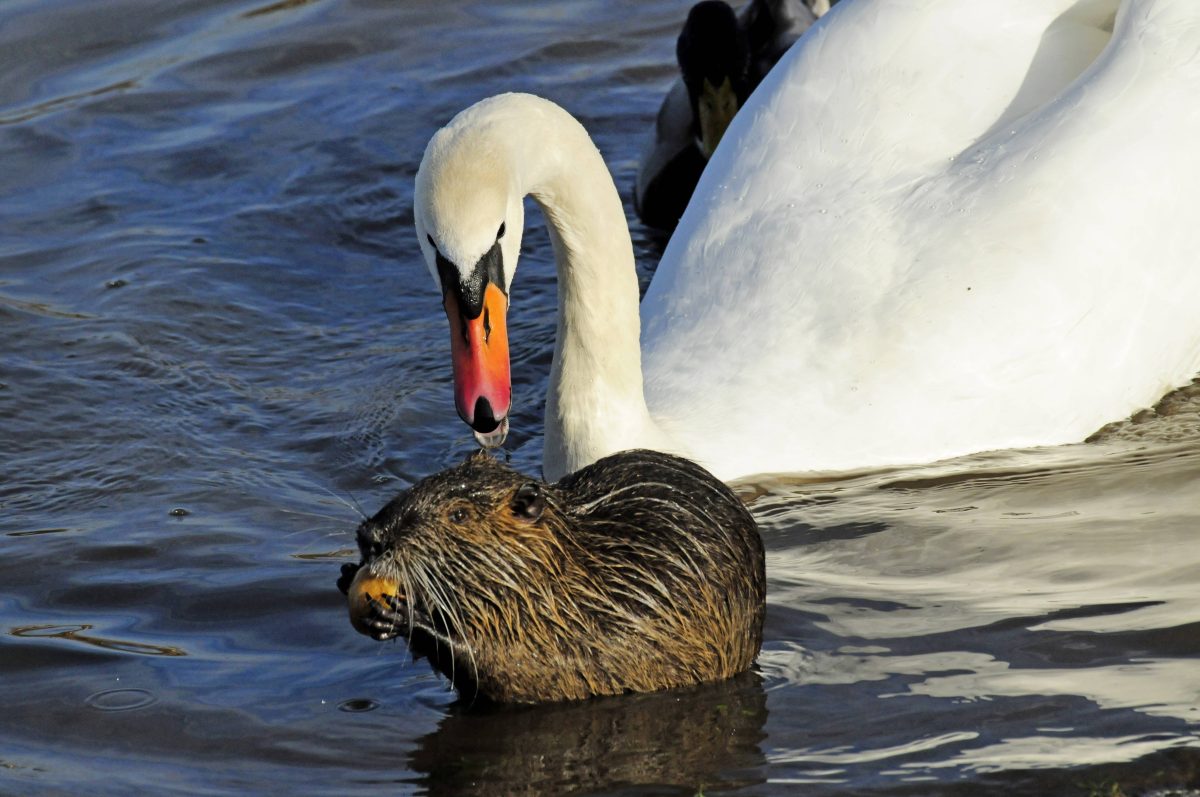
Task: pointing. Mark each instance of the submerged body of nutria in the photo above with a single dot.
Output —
(637, 573)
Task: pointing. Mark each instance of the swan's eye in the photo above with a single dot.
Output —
(431, 243)
(500, 232)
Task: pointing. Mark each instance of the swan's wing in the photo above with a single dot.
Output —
(883, 262)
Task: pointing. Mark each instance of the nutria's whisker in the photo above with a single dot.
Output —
(432, 602)
(447, 607)
(288, 511)
(355, 506)
(324, 531)
(406, 589)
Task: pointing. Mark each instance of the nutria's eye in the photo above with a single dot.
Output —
(458, 514)
(528, 503)
(500, 232)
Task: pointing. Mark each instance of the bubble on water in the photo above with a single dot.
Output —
(358, 705)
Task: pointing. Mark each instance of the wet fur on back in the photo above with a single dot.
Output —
(637, 573)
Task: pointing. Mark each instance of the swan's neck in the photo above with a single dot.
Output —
(595, 404)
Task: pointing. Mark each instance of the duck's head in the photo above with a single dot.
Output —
(714, 57)
(469, 221)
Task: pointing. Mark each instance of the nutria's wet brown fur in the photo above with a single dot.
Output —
(637, 573)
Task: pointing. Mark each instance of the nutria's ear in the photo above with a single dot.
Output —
(528, 502)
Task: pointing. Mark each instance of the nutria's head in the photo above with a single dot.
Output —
(637, 573)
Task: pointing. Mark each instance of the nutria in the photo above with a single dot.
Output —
(639, 572)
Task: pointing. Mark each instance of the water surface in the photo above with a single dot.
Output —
(218, 338)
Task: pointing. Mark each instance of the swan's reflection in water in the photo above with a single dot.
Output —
(701, 738)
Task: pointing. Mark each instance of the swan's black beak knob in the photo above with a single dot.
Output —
(484, 420)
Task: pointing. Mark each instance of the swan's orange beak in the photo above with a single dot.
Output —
(482, 383)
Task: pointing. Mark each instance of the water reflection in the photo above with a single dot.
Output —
(1036, 610)
(704, 738)
(1161, 688)
(282, 5)
(36, 532)
(75, 633)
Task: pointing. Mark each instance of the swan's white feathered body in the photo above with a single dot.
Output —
(937, 227)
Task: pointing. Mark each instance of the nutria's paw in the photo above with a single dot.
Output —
(384, 619)
(347, 576)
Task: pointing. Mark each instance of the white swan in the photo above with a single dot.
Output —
(938, 227)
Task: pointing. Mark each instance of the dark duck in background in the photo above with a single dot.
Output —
(722, 57)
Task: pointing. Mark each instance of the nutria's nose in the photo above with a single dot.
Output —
(484, 420)
(370, 540)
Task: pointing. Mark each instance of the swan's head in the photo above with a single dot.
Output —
(714, 57)
(469, 220)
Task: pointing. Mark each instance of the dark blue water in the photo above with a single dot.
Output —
(217, 342)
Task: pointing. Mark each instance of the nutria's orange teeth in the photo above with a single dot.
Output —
(365, 590)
